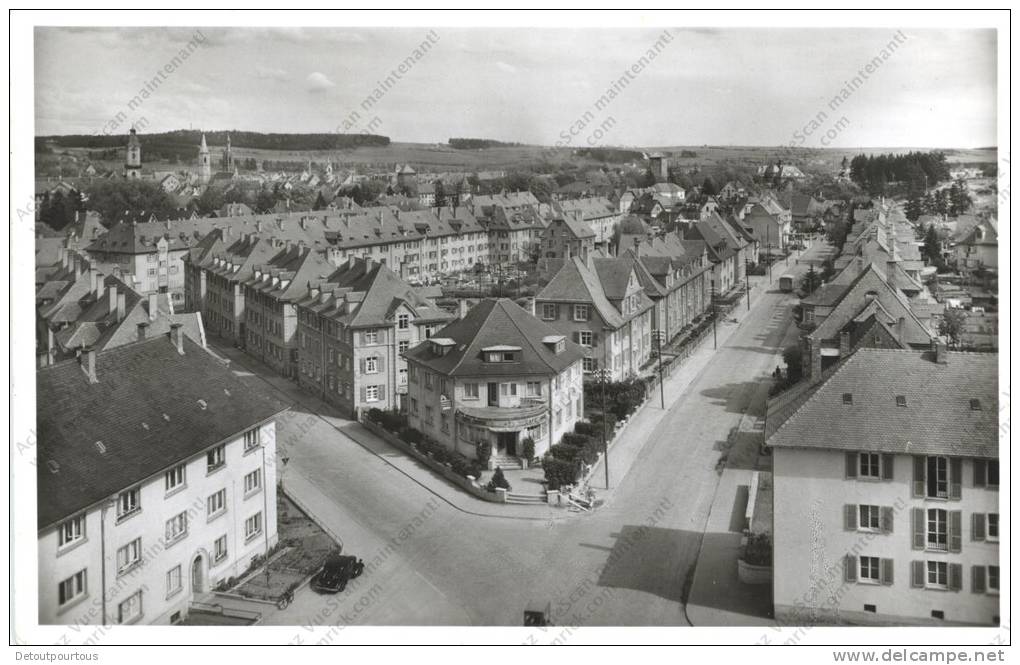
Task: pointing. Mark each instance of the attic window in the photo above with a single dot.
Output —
(848, 398)
(975, 405)
(101, 447)
(202, 403)
(901, 400)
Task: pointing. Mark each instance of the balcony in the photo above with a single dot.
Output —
(501, 419)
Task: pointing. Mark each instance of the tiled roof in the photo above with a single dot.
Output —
(575, 283)
(497, 322)
(150, 409)
(938, 418)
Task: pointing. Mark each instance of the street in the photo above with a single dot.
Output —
(436, 556)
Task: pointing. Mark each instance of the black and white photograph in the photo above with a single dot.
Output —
(449, 327)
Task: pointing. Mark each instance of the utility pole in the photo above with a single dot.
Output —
(747, 283)
(605, 437)
(768, 249)
(658, 343)
(715, 340)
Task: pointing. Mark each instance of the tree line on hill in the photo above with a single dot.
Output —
(478, 144)
(914, 171)
(186, 141)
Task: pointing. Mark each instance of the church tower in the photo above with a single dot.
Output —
(204, 166)
(133, 163)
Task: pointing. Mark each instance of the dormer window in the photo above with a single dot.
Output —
(501, 354)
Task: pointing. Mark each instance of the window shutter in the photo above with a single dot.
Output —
(850, 517)
(917, 573)
(381, 363)
(576, 337)
(917, 523)
(955, 478)
(364, 394)
(977, 523)
(887, 467)
(851, 465)
(919, 469)
(382, 393)
(362, 365)
(887, 571)
(955, 577)
(955, 530)
(594, 339)
(980, 473)
(887, 519)
(977, 579)
(850, 568)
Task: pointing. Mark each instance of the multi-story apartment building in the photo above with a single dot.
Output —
(271, 295)
(886, 501)
(566, 237)
(142, 511)
(514, 223)
(353, 328)
(603, 307)
(598, 213)
(497, 375)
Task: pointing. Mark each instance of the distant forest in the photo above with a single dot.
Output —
(478, 144)
(183, 144)
(915, 170)
(611, 154)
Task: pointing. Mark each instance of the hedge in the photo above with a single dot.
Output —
(559, 472)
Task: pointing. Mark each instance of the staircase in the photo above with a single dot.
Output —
(513, 497)
(505, 462)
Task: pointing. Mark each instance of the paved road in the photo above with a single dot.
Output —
(626, 564)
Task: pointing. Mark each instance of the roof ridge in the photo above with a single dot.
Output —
(527, 338)
(821, 384)
(484, 322)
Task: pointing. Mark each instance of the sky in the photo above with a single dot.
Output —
(727, 86)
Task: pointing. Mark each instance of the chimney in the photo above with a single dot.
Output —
(142, 325)
(177, 337)
(844, 344)
(938, 347)
(462, 308)
(153, 306)
(901, 325)
(95, 282)
(815, 366)
(111, 292)
(121, 306)
(88, 363)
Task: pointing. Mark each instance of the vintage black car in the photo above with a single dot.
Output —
(336, 572)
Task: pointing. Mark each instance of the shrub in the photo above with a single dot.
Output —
(558, 472)
(375, 415)
(411, 435)
(587, 428)
(562, 451)
(498, 480)
(758, 551)
(483, 452)
(575, 440)
(528, 448)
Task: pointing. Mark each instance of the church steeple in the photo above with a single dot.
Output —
(204, 166)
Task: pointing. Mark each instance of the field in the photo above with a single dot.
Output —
(439, 157)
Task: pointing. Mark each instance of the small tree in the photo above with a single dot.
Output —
(794, 364)
(952, 325)
(483, 452)
(528, 448)
(498, 481)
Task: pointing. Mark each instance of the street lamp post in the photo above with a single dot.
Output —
(768, 248)
(715, 340)
(605, 437)
(747, 283)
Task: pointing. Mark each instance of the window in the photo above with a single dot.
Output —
(470, 391)
(870, 518)
(253, 526)
(130, 609)
(938, 574)
(848, 398)
(129, 556)
(71, 531)
(580, 312)
(993, 473)
(993, 526)
(508, 389)
(220, 548)
(72, 588)
(176, 528)
(173, 581)
(548, 311)
(588, 364)
(216, 503)
(371, 393)
(901, 400)
(938, 525)
(870, 465)
(174, 478)
(938, 477)
(870, 569)
(993, 579)
(214, 459)
(403, 345)
(403, 321)
(371, 337)
(585, 338)
(127, 503)
(533, 389)
(428, 415)
(252, 439)
(253, 481)
(414, 406)
(429, 380)
(371, 365)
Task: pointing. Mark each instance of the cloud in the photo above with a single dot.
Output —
(509, 69)
(271, 73)
(319, 82)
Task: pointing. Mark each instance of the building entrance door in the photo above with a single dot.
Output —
(197, 583)
(508, 443)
